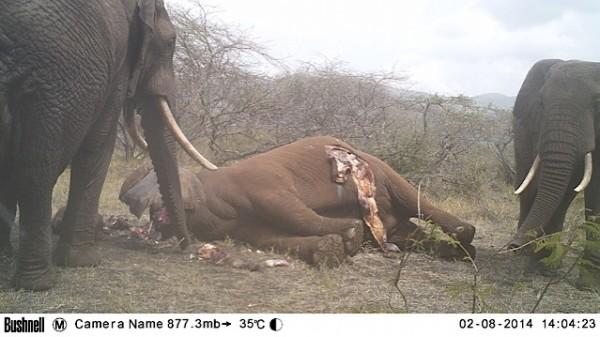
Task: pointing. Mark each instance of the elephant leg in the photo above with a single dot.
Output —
(291, 215)
(34, 268)
(327, 250)
(47, 139)
(42, 158)
(76, 245)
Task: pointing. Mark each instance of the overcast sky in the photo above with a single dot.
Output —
(449, 47)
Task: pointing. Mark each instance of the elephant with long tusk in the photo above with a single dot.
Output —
(556, 122)
(68, 68)
(318, 197)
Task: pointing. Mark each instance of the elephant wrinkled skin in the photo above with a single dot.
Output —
(287, 198)
(556, 128)
(67, 70)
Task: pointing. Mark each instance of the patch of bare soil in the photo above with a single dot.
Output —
(137, 278)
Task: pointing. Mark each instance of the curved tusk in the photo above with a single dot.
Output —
(132, 130)
(180, 137)
(530, 175)
(587, 173)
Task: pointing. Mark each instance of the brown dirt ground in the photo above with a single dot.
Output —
(134, 278)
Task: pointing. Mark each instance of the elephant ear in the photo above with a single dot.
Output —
(191, 188)
(146, 14)
(135, 177)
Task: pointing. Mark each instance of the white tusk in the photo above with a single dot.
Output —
(587, 173)
(132, 130)
(530, 175)
(180, 137)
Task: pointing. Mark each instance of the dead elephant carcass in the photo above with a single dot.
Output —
(297, 198)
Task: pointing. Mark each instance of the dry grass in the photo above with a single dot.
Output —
(138, 279)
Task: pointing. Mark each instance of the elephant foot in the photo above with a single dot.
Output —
(35, 281)
(535, 265)
(523, 243)
(329, 251)
(353, 238)
(516, 244)
(82, 255)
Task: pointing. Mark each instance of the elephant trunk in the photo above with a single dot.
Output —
(559, 155)
(162, 152)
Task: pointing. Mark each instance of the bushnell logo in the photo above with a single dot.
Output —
(23, 325)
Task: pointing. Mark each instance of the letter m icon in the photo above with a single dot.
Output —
(59, 324)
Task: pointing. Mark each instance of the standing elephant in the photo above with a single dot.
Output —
(67, 70)
(556, 126)
(295, 198)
